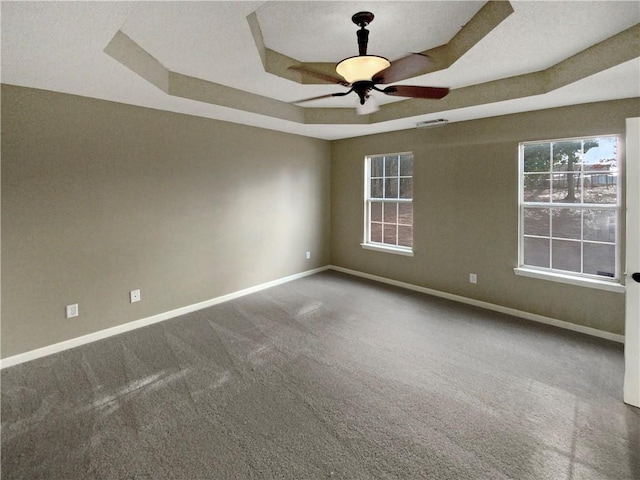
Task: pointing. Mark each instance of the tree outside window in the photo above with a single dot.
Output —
(570, 206)
(389, 201)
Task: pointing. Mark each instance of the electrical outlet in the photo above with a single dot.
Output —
(473, 278)
(134, 296)
(72, 310)
(308, 255)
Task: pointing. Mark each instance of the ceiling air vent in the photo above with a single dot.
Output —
(432, 123)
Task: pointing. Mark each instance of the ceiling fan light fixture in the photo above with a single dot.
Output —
(363, 73)
(361, 68)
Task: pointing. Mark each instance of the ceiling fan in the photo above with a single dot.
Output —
(364, 72)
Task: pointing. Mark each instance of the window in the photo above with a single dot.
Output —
(389, 203)
(570, 208)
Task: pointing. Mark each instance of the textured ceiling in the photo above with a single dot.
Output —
(228, 60)
(317, 32)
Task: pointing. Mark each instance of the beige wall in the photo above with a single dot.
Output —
(100, 198)
(466, 211)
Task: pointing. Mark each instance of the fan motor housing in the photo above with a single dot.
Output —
(362, 19)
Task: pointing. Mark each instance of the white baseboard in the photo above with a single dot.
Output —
(109, 332)
(489, 306)
(143, 322)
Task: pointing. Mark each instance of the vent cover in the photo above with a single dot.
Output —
(432, 123)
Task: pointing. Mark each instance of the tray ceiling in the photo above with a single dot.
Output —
(229, 60)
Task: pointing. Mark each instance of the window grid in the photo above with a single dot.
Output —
(388, 187)
(576, 201)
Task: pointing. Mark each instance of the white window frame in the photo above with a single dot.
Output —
(549, 273)
(367, 243)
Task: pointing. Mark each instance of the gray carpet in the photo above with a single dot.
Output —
(329, 376)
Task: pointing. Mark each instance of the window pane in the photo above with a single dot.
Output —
(405, 236)
(390, 213)
(567, 155)
(536, 252)
(391, 187)
(536, 221)
(600, 259)
(390, 232)
(377, 166)
(406, 187)
(566, 188)
(537, 157)
(536, 187)
(391, 166)
(376, 232)
(600, 187)
(376, 188)
(390, 176)
(566, 255)
(600, 225)
(566, 223)
(581, 172)
(600, 153)
(405, 213)
(406, 165)
(376, 211)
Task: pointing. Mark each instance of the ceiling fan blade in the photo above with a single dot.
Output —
(416, 92)
(403, 68)
(320, 75)
(338, 94)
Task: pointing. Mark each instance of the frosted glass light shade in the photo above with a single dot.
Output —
(363, 67)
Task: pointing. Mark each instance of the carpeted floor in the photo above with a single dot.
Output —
(329, 376)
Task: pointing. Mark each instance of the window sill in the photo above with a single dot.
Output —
(611, 286)
(388, 249)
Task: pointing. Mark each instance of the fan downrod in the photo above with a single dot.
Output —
(362, 19)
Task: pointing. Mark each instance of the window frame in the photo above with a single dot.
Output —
(563, 276)
(384, 247)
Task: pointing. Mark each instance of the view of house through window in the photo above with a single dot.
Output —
(570, 206)
(389, 200)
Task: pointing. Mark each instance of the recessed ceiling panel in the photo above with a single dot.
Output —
(324, 32)
(539, 35)
(60, 46)
(207, 40)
